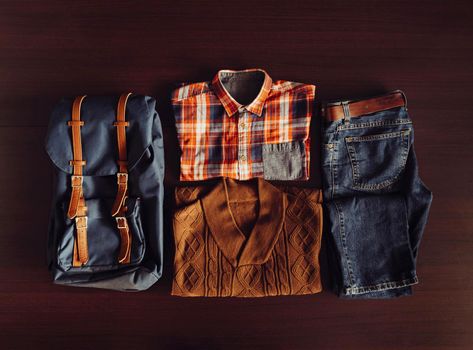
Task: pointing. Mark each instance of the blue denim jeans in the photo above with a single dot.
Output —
(376, 205)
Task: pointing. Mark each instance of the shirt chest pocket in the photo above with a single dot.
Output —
(285, 161)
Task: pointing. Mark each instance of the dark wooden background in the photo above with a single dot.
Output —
(50, 49)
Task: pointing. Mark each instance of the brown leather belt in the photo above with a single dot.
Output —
(354, 109)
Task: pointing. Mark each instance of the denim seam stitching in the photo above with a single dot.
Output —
(343, 241)
(355, 171)
(332, 171)
(373, 124)
(335, 167)
(376, 137)
(381, 286)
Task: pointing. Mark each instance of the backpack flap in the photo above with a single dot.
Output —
(99, 134)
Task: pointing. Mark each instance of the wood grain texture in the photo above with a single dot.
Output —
(50, 49)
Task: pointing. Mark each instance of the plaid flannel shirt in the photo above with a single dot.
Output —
(267, 138)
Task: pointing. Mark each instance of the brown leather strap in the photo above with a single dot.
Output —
(77, 163)
(359, 108)
(119, 209)
(77, 208)
(81, 251)
(125, 240)
(122, 175)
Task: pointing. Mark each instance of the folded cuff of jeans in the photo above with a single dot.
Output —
(381, 287)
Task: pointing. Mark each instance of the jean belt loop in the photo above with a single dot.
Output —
(346, 111)
(404, 97)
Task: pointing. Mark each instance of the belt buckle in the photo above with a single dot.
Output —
(122, 178)
(81, 222)
(121, 222)
(77, 180)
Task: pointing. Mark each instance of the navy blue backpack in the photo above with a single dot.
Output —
(105, 228)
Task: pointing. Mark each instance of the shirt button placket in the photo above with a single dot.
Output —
(242, 142)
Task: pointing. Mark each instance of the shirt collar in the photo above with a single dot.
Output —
(239, 250)
(230, 104)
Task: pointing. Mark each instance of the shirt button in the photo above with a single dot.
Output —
(242, 126)
(243, 158)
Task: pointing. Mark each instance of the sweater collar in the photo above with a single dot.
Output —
(237, 248)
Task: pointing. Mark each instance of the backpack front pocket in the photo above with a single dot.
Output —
(103, 237)
(378, 160)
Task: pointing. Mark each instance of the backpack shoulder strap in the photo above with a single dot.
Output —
(77, 208)
(118, 208)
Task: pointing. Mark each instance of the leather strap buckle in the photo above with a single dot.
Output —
(121, 222)
(77, 180)
(81, 222)
(122, 178)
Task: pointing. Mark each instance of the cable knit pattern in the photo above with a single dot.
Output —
(212, 275)
(214, 259)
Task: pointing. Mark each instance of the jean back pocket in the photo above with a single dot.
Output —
(378, 160)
